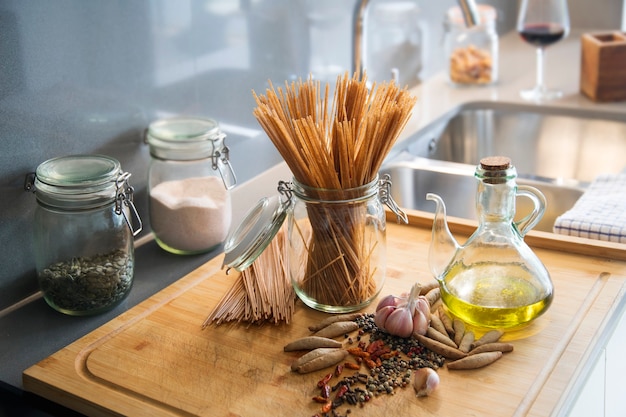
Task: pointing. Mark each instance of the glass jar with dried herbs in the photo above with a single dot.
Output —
(84, 225)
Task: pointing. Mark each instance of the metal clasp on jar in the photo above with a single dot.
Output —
(220, 162)
(386, 198)
(124, 197)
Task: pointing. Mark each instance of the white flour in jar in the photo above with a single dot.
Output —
(190, 215)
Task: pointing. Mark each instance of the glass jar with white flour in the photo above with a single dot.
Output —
(188, 183)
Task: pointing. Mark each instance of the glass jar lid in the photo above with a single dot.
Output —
(77, 181)
(184, 138)
(255, 232)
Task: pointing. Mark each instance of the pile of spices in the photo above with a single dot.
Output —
(391, 360)
(88, 283)
(388, 360)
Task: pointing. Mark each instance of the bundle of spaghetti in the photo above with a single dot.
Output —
(261, 293)
(340, 146)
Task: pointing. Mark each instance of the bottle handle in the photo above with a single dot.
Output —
(539, 200)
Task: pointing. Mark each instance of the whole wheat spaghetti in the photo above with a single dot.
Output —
(334, 150)
(261, 293)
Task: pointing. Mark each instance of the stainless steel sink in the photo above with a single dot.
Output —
(559, 151)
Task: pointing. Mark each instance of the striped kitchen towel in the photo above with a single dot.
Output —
(600, 213)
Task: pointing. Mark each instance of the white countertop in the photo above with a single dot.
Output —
(517, 69)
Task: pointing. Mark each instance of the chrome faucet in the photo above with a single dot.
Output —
(358, 36)
(470, 12)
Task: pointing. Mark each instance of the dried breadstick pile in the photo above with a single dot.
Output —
(449, 338)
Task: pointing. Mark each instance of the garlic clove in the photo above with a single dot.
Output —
(389, 300)
(423, 305)
(380, 317)
(425, 381)
(400, 323)
(420, 323)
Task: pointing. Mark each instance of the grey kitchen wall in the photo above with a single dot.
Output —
(88, 76)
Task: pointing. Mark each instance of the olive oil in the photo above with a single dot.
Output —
(494, 295)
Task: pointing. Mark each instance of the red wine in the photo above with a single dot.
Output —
(542, 34)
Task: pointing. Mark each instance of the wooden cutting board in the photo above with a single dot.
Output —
(155, 359)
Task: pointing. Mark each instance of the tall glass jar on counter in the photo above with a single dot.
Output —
(83, 233)
(471, 52)
(189, 181)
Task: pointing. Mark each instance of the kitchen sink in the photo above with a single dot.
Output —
(559, 151)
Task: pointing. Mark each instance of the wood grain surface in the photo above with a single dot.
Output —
(155, 360)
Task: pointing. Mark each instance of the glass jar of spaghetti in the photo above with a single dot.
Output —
(471, 52)
(337, 249)
(336, 256)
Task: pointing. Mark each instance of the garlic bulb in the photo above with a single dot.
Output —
(400, 322)
(390, 300)
(404, 317)
(425, 381)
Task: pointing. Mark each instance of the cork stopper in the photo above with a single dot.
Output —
(495, 163)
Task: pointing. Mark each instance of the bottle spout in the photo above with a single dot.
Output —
(443, 245)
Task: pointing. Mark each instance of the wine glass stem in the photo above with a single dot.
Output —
(540, 69)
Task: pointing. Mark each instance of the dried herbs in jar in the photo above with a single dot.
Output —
(83, 233)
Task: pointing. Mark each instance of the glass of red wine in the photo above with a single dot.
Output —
(542, 23)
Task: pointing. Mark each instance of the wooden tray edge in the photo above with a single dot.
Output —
(534, 238)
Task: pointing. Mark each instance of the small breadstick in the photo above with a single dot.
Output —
(333, 319)
(447, 322)
(466, 342)
(489, 337)
(459, 330)
(440, 337)
(475, 361)
(446, 351)
(318, 359)
(493, 347)
(437, 324)
(425, 289)
(433, 296)
(312, 342)
(338, 328)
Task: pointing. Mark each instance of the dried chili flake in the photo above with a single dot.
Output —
(338, 370)
(341, 391)
(324, 380)
(327, 407)
(358, 352)
(375, 345)
(389, 354)
(370, 363)
(325, 391)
